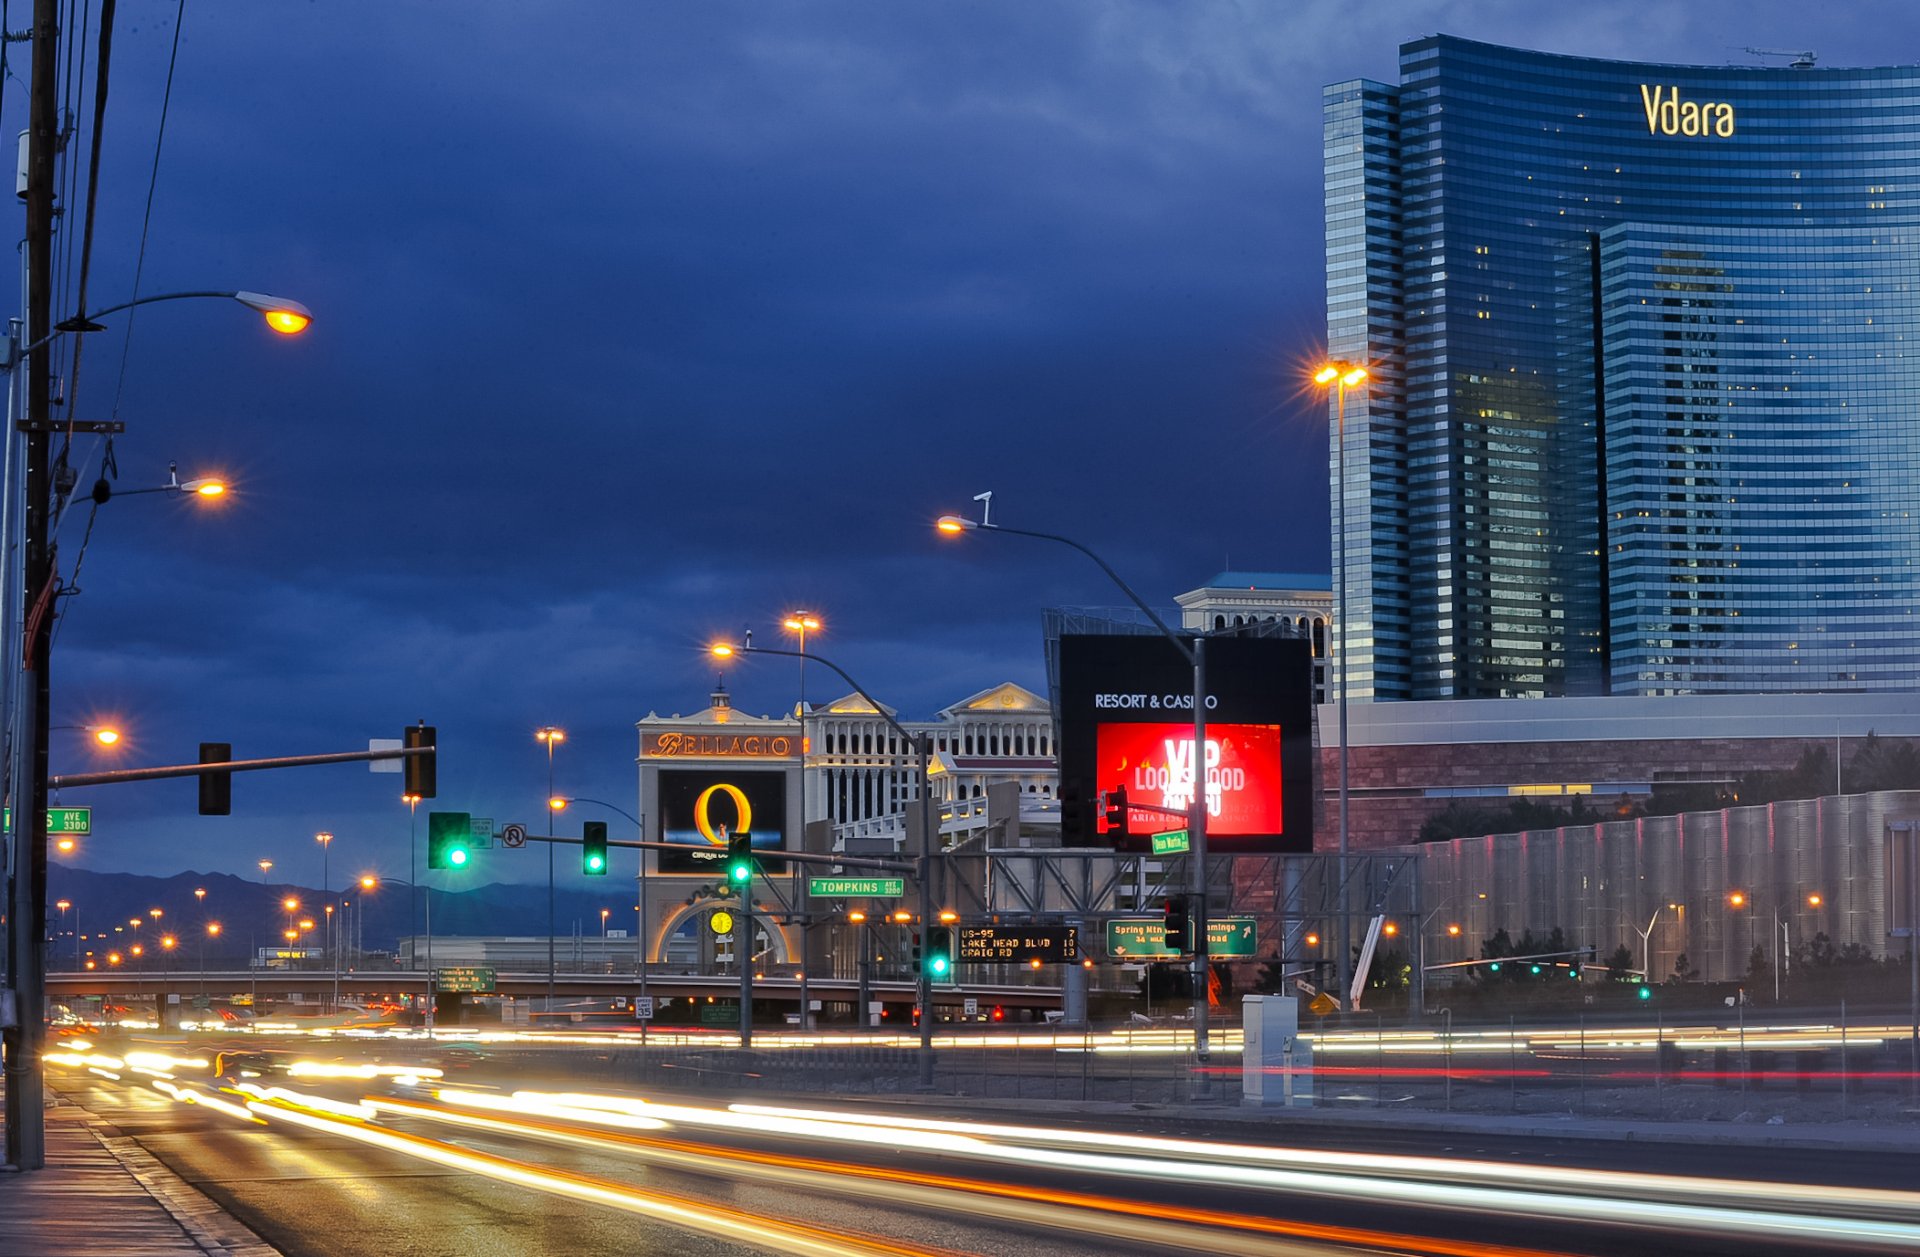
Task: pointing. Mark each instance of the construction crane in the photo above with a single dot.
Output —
(1801, 60)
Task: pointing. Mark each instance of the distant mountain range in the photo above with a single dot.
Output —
(251, 914)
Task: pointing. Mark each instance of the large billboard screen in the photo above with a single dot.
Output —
(1154, 762)
(1125, 724)
(699, 807)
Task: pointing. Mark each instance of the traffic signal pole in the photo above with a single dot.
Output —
(743, 952)
(929, 838)
(1197, 837)
(924, 983)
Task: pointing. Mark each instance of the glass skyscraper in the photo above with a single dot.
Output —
(1644, 415)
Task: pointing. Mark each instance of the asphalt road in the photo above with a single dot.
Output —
(577, 1182)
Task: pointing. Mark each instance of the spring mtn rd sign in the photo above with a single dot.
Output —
(1145, 938)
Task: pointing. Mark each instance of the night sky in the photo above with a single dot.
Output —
(639, 324)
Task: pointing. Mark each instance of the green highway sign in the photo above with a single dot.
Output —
(1144, 938)
(1173, 842)
(857, 887)
(63, 820)
(69, 820)
(466, 978)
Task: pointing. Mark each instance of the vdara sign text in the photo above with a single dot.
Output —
(1668, 114)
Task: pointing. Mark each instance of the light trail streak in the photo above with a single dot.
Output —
(1659, 1200)
(1163, 1226)
(705, 1217)
(1618, 1184)
(361, 1073)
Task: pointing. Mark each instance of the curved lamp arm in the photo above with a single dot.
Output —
(283, 315)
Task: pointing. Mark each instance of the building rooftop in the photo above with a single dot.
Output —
(1271, 580)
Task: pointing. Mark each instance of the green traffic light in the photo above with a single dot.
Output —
(1536, 968)
(595, 863)
(939, 965)
(457, 857)
(1646, 992)
(739, 872)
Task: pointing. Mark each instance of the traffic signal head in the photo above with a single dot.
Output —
(449, 840)
(593, 848)
(939, 952)
(1115, 803)
(1178, 925)
(739, 858)
(1646, 992)
(419, 772)
(216, 789)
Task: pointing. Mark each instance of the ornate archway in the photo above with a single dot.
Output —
(783, 947)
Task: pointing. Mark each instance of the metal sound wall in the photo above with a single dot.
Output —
(1606, 884)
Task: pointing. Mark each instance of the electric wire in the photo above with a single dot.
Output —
(146, 219)
(139, 267)
(101, 77)
(66, 127)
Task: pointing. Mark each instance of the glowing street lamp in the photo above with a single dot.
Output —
(325, 839)
(801, 623)
(1194, 654)
(203, 487)
(370, 883)
(922, 745)
(1341, 376)
(26, 1135)
(550, 737)
(63, 905)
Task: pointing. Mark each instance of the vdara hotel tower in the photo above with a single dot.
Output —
(1644, 415)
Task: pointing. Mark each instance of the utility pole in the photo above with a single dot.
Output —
(26, 1040)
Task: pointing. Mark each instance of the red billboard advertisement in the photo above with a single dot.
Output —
(1153, 762)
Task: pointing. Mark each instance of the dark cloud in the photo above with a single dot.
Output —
(641, 324)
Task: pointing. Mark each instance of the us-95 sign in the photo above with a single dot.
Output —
(1017, 944)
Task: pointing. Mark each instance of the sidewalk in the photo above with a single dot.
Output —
(102, 1195)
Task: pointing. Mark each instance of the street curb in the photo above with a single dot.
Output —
(216, 1232)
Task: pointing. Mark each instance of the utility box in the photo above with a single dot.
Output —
(1276, 1065)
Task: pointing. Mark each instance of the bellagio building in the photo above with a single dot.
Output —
(1645, 409)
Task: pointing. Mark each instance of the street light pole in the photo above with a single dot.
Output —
(370, 882)
(326, 897)
(1196, 658)
(550, 736)
(923, 746)
(1342, 376)
(800, 622)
